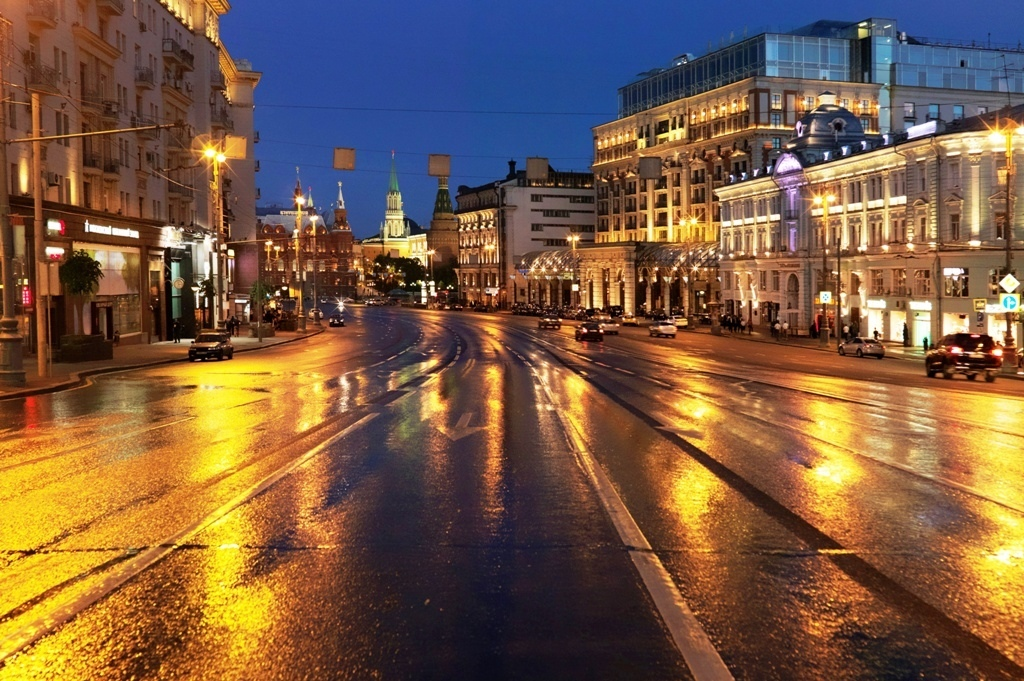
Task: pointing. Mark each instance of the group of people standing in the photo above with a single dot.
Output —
(734, 323)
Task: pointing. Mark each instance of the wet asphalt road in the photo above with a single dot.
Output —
(440, 495)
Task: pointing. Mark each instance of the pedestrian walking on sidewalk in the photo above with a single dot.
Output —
(176, 330)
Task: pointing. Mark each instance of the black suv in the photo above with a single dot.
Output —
(965, 353)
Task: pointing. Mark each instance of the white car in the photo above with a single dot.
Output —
(680, 321)
(663, 327)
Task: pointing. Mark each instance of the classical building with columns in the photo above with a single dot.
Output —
(707, 120)
(907, 234)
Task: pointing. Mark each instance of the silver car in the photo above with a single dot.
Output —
(663, 328)
(862, 347)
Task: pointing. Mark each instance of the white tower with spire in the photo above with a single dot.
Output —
(394, 226)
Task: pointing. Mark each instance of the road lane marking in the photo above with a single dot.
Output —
(146, 558)
(689, 636)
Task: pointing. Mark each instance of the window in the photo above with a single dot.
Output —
(958, 112)
(954, 282)
(776, 143)
(922, 282)
(982, 110)
(899, 282)
(877, 279)
(776, 101)
(536, 198)
(534, 227)
(933, 112)
(776, 120)
(909, 111)
(954, 227)
(1000, 225)
(775, 280)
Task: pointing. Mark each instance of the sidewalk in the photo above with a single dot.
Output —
(893, 349)
(67, 375)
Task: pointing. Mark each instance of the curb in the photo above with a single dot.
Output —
(76, 379)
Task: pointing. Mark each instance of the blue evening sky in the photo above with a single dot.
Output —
(486, 81)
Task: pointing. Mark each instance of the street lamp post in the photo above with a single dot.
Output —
(1005, 135)
(430, 263)
(490, 249)
(217, 157)
(300, 312)
(824, 200)
(574, 239)
(316, 265)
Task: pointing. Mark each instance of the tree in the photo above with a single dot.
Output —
(258, 295)
(390, 273)
(80, 274)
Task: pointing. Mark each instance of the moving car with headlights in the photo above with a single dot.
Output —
(970, 354)
(549, 320)
(862, 347)
(336, 320)
(211, 345)
(589, 331)
(663, 327)
(629, 319)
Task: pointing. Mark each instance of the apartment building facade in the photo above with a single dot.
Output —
(505, 223)
(127, 96)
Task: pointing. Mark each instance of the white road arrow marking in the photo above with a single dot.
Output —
(462, 428)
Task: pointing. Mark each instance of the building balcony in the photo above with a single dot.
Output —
(178, 89)
(142, 122)
(43, 79)
(173, 52)
(145, 79)
(92, 164)
(179, 192)
(42, 14)
(110, 110)
(112, 169)
(110, 7)
(92, 103)
(220, 118)
(218, 81)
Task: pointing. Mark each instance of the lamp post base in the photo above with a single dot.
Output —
(300, 324)
(12, 372)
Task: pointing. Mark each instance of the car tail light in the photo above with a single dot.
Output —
(997, 352)
(956, 350)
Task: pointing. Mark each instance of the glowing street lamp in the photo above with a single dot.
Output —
(824, 200)
(216, 156)
(299, 201)
(575, 239)
(1004, 136)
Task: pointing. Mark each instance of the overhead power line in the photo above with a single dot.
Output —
(480, 112)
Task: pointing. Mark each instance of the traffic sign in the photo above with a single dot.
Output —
(1009, 283)
(825, 297)
(1010, 301)
(979, 304)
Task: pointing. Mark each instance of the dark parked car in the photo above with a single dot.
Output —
(211, 345)
(965, 353)
(862, 347)
(336, 320)
(589, 331)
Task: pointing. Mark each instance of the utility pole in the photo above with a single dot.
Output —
(12, 372)
(40, 267)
